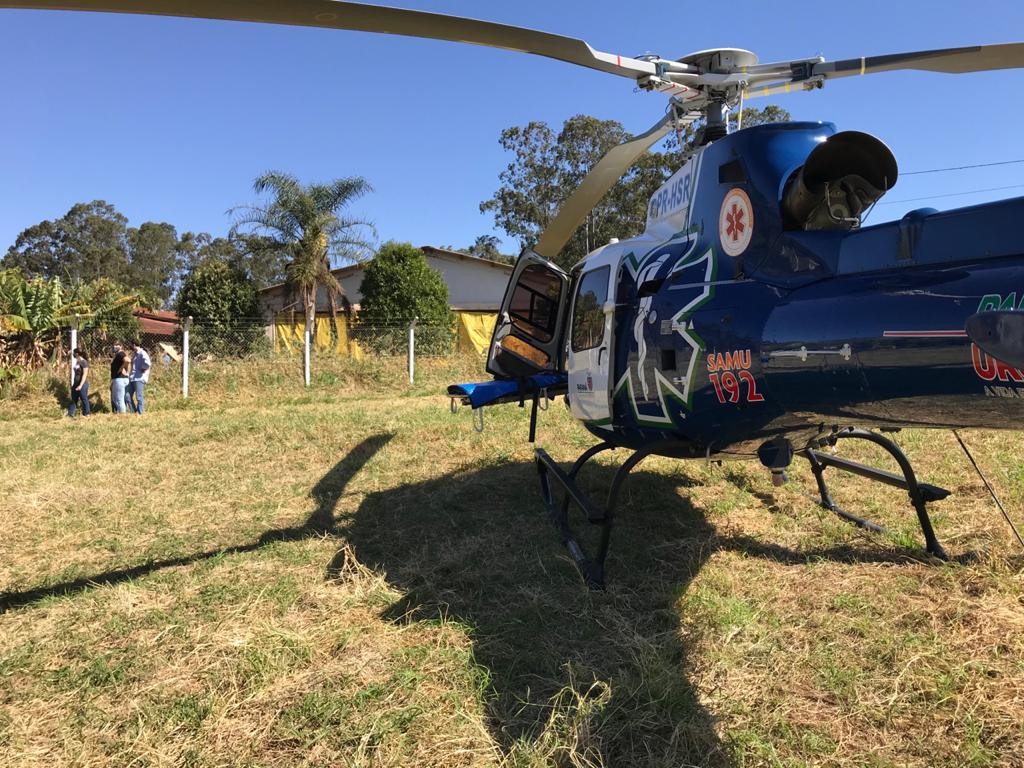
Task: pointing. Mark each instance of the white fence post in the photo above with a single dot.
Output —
(305, 356)
(186, 327)
(71, 351)
(412, 351)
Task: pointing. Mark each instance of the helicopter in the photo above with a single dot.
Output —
(755, 317)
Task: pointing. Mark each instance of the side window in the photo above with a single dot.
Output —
(534, 305)
(588, 310)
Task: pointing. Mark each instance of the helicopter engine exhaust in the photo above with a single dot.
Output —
(841, 179)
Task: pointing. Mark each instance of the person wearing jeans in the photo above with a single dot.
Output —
(138, 378)
(80, 383)
(120, 367)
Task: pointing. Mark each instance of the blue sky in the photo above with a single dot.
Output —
(172, 119)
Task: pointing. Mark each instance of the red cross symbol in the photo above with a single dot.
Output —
(735, 225)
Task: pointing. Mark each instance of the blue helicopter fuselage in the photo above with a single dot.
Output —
(731, 326)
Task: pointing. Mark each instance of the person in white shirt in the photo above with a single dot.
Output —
(138, 378)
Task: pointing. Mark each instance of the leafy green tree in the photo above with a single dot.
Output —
(547, 167)
(305, 222)
(399, 285)
(486, 247)
(257, 256)
(153, 261)
(221, 299)
(260, 256)
(88, 242)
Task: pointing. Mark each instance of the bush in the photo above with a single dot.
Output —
(398, 286)
(222, 301)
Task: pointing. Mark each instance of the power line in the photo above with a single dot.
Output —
(952, 194)
(961, 167)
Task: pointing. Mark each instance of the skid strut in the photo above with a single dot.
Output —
(920, 493)
(591, 568)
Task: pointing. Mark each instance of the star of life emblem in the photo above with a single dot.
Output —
(736, 222)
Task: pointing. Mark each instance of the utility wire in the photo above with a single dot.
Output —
(961, 167)
(951, 194)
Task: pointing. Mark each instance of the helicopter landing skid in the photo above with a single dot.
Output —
(920, 493)
(590, 568)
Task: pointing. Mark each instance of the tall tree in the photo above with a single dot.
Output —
(486, 247)
(88, 242)
(547, 167)
(306, 223)
(261, 260)
(153, 261)
(261, 256)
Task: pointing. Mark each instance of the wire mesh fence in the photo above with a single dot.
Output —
(186, 357)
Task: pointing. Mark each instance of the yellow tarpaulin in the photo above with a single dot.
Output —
(288, 337)
(475, 331)
(474, 335)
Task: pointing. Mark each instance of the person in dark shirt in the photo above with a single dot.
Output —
(119, 369)
(80, 383)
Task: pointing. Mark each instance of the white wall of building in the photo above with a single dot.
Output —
(473, 284)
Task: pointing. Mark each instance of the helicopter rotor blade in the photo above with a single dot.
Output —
(954, 61)
(334, 14)
(601, 178)
(768, 80)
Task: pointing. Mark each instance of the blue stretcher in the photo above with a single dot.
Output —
(509, 390)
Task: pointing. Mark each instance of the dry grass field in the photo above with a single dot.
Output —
(351, 576)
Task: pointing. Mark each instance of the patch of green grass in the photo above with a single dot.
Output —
(268, 656)
(974, 752)
(94, 673)
(838, 676)
(188, 711)
(718, 610)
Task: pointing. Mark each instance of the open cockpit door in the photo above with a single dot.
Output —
(528, 334)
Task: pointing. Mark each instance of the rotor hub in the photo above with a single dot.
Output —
(722, 61)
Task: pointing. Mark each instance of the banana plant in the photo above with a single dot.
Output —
(33, 313)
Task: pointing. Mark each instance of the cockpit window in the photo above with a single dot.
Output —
(588, 310)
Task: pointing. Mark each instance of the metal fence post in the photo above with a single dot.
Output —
(71, 351)
(305, 356)
(412, 350)
(186, 327)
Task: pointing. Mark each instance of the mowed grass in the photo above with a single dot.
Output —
(351, 576)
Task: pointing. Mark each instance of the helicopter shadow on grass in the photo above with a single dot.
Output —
(320, 522)
(476, 547)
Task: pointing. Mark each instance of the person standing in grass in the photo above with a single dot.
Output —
(120, 368)
(138, 378)
(79, 383)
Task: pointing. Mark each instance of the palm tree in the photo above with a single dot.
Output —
(306, 224)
